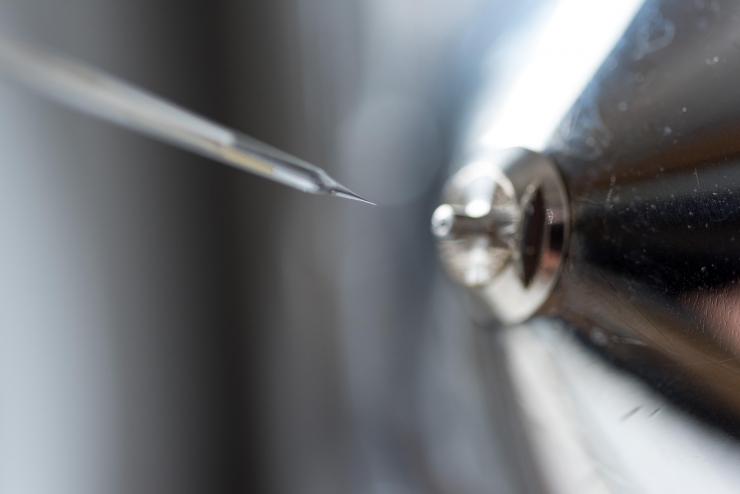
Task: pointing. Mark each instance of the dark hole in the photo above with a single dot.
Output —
(533, 229)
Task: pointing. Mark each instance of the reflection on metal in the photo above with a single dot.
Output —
(654, 264)
(533, 85)
(650, 158)
(596, 430)
(502, 229)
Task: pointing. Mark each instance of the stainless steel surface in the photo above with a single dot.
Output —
(650, 157)
(502, 229)
(595, 429)
(637, 392)
(94, 92)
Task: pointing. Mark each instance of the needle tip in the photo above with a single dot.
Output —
(342, 191)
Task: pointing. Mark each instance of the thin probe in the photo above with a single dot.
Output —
(93, 92)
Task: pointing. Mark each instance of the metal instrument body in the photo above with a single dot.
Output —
(502, 232)
(650, 158)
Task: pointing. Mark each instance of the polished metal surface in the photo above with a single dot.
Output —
(595, 429)
(502, 229)
(650, 157)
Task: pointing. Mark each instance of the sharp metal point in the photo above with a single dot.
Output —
(88, 90)
(342, 191)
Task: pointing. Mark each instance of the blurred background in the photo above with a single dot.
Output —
(171, 325)
(167, 325)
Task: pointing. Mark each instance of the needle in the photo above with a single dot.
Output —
(91, 91)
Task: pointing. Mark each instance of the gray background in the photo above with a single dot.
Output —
(167, 325)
